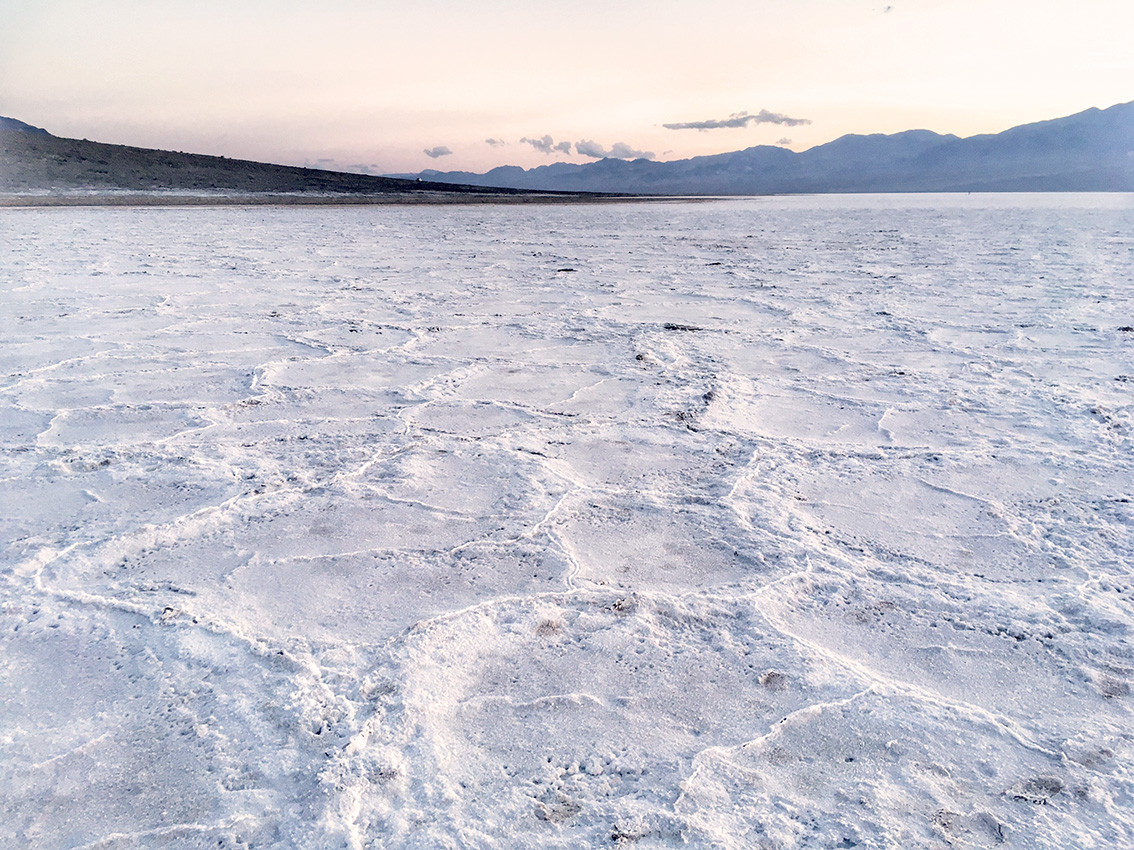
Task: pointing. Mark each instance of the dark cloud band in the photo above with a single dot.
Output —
(740, 119)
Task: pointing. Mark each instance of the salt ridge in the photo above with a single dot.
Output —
(793, 522)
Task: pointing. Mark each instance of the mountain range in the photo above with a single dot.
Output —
(38, 168)
(1087, 152)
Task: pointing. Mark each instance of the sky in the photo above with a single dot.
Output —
(382, 87)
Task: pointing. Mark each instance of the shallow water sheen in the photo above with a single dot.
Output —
(798, 522)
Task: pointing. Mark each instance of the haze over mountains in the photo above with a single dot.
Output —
(1089, 151)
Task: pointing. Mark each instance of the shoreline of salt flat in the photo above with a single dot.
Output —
(423, 198)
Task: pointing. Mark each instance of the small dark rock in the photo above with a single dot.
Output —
(1112, 688)
(774, 680)
(1038, 790)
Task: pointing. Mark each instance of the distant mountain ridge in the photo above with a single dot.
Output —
(35, 164)
(1090, 151)
(20, 126)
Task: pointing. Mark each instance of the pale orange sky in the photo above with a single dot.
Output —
(376, 83)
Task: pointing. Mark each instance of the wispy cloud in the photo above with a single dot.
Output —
(740, 119)
(543, 145)
(619, 150)
(592, 149)
(547, 145)
(495, 143)
(440, 150)
(784, 142)
(329, 164)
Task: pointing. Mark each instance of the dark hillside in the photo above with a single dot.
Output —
(32, 162)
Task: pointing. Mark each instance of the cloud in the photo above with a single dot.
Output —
(784, 142)
(619, 150)
(740, 119)
(592, 149)
(544, 145)
(548, 145)
(495, 143)
(440, 150)
(330, 164)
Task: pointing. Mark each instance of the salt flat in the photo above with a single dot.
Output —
(770, 523)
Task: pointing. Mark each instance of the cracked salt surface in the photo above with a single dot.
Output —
(778, 523)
